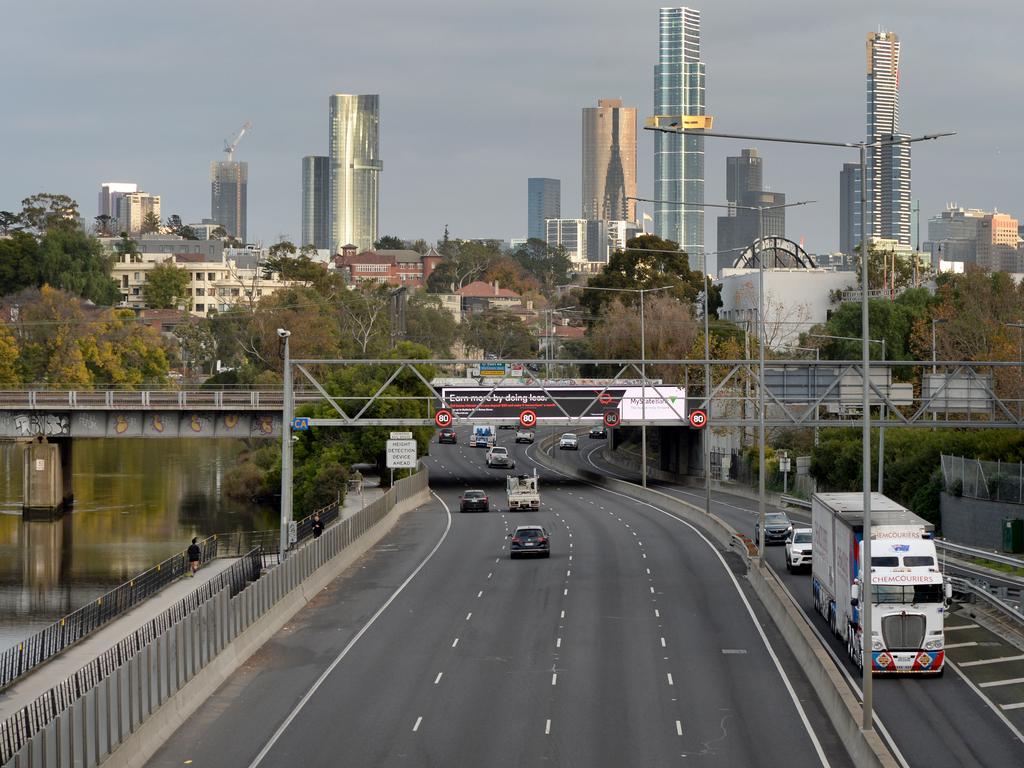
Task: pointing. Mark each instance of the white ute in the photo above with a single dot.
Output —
(522, 491)
(798, 549)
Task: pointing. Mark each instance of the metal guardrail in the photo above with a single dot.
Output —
(982, 554)
(967, 586)
(143, 399)
(794, 501)
(62, 634)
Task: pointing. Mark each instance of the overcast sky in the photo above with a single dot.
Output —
(476, 96)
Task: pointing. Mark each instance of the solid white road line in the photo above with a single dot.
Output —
(991, 661)
(438, 678)
(351, 643)
(1018, 705)
(418, 721)
(962, 626)
(960, 645)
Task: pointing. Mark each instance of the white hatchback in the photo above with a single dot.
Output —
(568, 442)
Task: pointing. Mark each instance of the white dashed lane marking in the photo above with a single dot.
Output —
(438, 678)
(547, 728)
(670, 681)
(469, 616)
(679, 728)
(455, 642)
(418, 721)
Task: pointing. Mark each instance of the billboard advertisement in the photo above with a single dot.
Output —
(662, 403)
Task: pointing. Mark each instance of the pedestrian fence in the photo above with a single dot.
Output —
(989, 480)
(83, 719)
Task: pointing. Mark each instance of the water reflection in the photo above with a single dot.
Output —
(136, 503)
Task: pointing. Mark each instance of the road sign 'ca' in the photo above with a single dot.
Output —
(528, 418)
(443, 418)
(698, 419)
(611, 417)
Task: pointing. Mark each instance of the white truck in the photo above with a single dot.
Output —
(909, 595)
(483, 436)
(522, 491)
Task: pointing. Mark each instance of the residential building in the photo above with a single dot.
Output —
(316, 198)
(204, 229)
(998, 242)
(388, 267)
(679, 101)
(744, 192)
(354, 169)
(888, 165)
(111, 192)
(132, 210)
(571, 234)
(155, 246)
(609, 161)
(543, 202)
(229, 182)
(479, 296)
(849, 208)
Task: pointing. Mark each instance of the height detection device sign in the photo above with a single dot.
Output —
(653, 403)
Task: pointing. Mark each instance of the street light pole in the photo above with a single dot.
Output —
(286, 444)
(862, 146)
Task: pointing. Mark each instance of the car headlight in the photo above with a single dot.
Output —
(876, 645)
(933, 645)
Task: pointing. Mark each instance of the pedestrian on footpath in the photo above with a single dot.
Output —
(318, 525)
(193, 557)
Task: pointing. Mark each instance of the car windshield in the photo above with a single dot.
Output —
(498, 451)
(918, 560)
(802, 538)
(528, 533)
(568, 436)
(776, 518)
(473, 495)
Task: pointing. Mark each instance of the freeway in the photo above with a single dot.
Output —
(634, 644)
(957, 720)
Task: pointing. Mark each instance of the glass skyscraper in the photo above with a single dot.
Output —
(609, 161)
(679, 160)
(354, 170)
(229, 181)
(888, 166)
(543, 202)
(316, 192)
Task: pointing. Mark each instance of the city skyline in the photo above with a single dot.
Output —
(450, 159)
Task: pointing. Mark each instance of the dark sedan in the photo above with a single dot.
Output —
(448, 435)
(529, 540)
(474, 501)
(777, 527)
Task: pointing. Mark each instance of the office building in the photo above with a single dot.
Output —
(570, 234)
(354, 170)
(110, 196)
(543, 202)
(998, 242)
(609, 161)
(316, 194)
(679, 159)
(133, 208)
(953, 235)
(888, 165)
(229, 181)
(753, 212)
(849, 208)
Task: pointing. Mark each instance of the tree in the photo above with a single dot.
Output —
(549, 265)
(508, 273)
(127, 250)
(500, 333)
(150, 223)
(19, 262)
(105, 224)
(9, 222)
(197, 345)
(45, 211)
(167, 287)
(419, 245)
(389, 243)
(73, 261)
(9, 354)
(218, 233)
(364, 317)
(465, 261)
(430, 324)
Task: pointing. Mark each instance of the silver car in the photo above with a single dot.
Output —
(498, 457)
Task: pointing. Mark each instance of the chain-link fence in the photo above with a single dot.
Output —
(989, 480)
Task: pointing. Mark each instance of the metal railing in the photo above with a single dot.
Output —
(62, 634)
(981, 554)
(35, 716)
(96, 709)
(794, 501)
(966, 586)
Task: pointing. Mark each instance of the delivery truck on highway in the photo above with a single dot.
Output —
(522, 491)
(909, 594)
(483, 436)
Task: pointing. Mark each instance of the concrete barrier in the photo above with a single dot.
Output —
(843, 708)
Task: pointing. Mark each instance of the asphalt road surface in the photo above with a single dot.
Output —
(950, 721)
(633, 645)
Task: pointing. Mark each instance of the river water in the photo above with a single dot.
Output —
(137, 502)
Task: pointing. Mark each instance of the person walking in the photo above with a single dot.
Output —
(194, 555)
(318, 525)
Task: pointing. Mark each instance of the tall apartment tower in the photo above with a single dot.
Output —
(354, 170)
(132, 210)
(229, 181)
(609, 161)
(316, 192)
(744, 192)
(543, 202)
(849, 208)
(889, 165)
(111, 192)
(679, 160)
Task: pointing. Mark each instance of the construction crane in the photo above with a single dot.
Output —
(229, 148)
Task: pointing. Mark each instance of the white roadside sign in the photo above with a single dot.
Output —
(401, 454)
(657, 403)
(401, 435)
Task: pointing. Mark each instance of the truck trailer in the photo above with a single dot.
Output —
(909, 595)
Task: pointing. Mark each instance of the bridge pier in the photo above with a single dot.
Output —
(46, 479)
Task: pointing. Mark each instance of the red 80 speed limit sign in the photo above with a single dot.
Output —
(698, 419)
(443, 418)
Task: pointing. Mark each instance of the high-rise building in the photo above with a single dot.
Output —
(997, 243)
(132, 210)
(953, 235)
(543, 202)
(753, 212)
(679, 159)
(316, 193)
(571, 234)
(849, 208)
(110, 196)
(355, 166)
(609, 161)
(229, 181)
(888, 165)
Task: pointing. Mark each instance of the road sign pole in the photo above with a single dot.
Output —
(286, 445)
